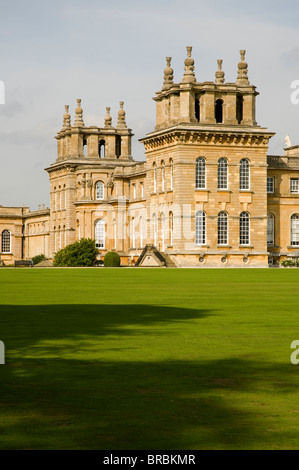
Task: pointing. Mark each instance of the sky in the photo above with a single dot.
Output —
(52, 53)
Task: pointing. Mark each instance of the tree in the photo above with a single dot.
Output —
(81, 253)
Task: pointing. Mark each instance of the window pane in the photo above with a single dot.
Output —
(200, 228)
(244, 174)
(270, 184)
(100, 190)
(100, 234)
(295, 230)
(222, 228)
(200, 178)
(222, 173)
(244, 228)
(5, 241)
(270, 230)
(294, 185)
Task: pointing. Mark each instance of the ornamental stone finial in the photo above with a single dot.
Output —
(242, 70)
(168, 75)
(108, 118)
(66, 118)
(219, 75)
(79, 115)
(121, 116)
(189, 75)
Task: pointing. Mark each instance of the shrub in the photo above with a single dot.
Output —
(38, 258)
(290, 263)
(81, 253)
(112, 260)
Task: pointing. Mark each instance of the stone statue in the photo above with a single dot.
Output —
(288, 141)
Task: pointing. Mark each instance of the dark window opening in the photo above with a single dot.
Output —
(239, 112)
(117, 146)
(102, 149)
(219, 111)
(197, 110)
(84, 146)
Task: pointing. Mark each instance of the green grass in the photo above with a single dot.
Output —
(149, 359)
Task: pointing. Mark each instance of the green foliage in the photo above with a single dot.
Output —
(290, 263)
(112, 260)
(38, 258)
(81, 253)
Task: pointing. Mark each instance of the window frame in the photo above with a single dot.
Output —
(5, 242)
(200, 173)
(244, 175)
(200, 228)
(244, 228)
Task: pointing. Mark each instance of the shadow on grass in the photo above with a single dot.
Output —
(109, 377)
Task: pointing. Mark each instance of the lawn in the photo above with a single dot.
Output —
(149, 359)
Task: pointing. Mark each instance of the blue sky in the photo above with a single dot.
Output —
(104, 52)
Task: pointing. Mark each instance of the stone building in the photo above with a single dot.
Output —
(207, 193)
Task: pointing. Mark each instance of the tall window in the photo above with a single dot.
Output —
(244, 174)
(222, 228)
(219, 110)
(102, 148)
(270, 184)
(171, 173)
(200, 228)
(6, 241)
(141, 231)
(294, 185)
(163, 231)
(295, 230)
(133, 233)
(222, 173)
(134, 191)
(163, 175)
(100, 190)
(171, 227)
(141, 190)
(270, 230)
(244, 228)
(155, 177)
(200, 176)
(100, 234)
(155, 229)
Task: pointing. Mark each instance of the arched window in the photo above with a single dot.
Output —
(239, 108)
(100, 234)
(197, 110)
(163, 231)
(200, 228)
(219, 110)
(244, 228)
(114, 233)
(155, 228)
(84, 147)
(222, 174)
(117, 146)
(200, 174)
(163, 175)
(171, 227)
(155, 177)
(100, 190)
(270, 230)
(102, 148)
(222, 228)
(141, 231)
(6, 241)
(171, 173)
(133, 233)
(295, 230)
(244, 174)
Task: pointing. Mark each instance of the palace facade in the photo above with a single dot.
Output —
(207, 195)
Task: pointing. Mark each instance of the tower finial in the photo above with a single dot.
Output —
(219, 74)
(79, 115)
(66, 117)
(242, 70)
(189, 75)
(121, 116)
(168, 75)
(108, 118)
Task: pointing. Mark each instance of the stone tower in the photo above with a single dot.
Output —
(206, 136)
